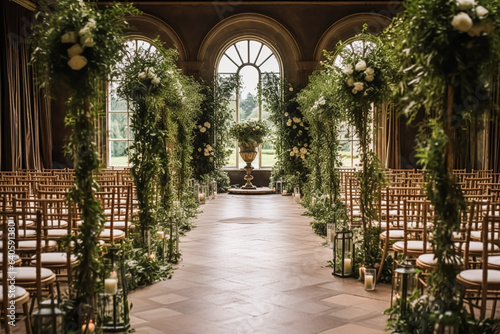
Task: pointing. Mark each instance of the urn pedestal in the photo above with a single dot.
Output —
(248, 154)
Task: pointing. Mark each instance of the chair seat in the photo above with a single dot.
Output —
(13, 257)
(476, 276)
(31, 244)
(23, 233)
(56, 233)
(54, 258)
(494, 261)
(119, 225)
(19, 293)
(412, 245)
(393, 234)
(28, 274)
(117, 234)
(476, 235)
(56, 223)
(476, 246)
(430, 260)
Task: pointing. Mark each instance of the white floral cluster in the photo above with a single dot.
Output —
(302, 152)
(358, 86)
(149, 74)
(208, 150)
(83, 40)
(464, 22)
(203, 128)
(294, 122)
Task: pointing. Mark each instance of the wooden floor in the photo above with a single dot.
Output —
(254, 265)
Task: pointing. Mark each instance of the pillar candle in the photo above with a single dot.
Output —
(111, 286)
(88, 328)
(368, 282)
(347, 266)
(160, 234)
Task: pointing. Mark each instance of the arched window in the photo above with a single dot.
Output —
(349, 142)
(118, 116)
(250, 59)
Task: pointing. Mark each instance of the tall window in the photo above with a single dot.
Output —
(119, 134)
(250, 59)
(349, 142)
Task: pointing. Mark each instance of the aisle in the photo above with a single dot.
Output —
(254, 265)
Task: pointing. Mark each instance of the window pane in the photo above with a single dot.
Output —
(115, 103)
(264, 54)
(268, 154)
(270, 65)
(248, 103)
(232, 158)
(242, 48)
(254, 50)
(118, 153)
(118, 127)
(231, 53)
(227, 66)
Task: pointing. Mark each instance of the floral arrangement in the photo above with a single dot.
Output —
(359, 77)
(472, 18)
(250, 132)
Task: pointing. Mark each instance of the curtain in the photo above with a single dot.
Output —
(25, 123)
(493, 129)
(387, 135)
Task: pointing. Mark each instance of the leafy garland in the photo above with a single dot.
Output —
(75, 44)
(291, 130)
(365, 81)
(447, 49)
(212, 132)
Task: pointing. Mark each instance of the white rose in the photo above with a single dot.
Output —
(91, 24)
(359, 86)
(203, 129)
(296, 120)
(369, 71)
(369, 78)
(77, 62)
(294, 127)
(209, 147)
(69, 37)
(303, 150)
(206, 153)
(286, 114)
(354, 91)
(87, 40)
(301, 124)
(295, 149)
(302, 156)
(462, 22)
(481, 12)
(360, 66)
(155, 81)
(321, 101)
(290, 89)
(85, 31)
(465, 4)
(199, 149)
(199, 126)
(289, 122)
(142, 75)
(292, 153)
(347, 69)
(75, 50)
(212, 153)
(350, 82)
(151, 75)
(207, 125)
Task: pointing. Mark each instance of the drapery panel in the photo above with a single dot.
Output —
(25, 126)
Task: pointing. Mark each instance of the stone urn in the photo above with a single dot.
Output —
(248, 153)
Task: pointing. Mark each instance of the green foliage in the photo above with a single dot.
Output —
(249, 132)
(212, 132)
(76, 45)
(292, 141)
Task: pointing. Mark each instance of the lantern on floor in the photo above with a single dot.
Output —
(404, 281)
(112, 302)
(48, 319)
(213, 188)
(330, 233)
(343, 254)
(297, 196)
(279, 186)
(370, 277)
(202, 195)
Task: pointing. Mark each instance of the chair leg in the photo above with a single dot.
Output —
(27, 321)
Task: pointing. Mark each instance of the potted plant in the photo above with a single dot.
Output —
(249, 135)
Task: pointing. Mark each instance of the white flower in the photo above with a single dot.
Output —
(303, 150)
(91, 24)
(85, 31)
(212, 153)
(209, 147)
(369, 78)
(290, 89)
(203, 129)
(151, 75)
(462, 22)
(354, 91)
(481, 12)
(321, 101)
(199, 149)
(199, 126)
(465, 4)
(305, 145)
(359, 86)
(286, 114)
(75, 50)
(295, 149)
(207, 125)
(87, 41)
(347, 69)
(369, 71)
(360, 66)
(142, 75)
(257, 127)
(289, 122)
(155, 80)
(294, 127)
(292, 153)
(301, 124)
(253, 129)
(77, 62)
(69, 37)
(350, 82)
(302, 156)
(206, 153)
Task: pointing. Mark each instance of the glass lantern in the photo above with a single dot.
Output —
(202, 195)
(48, 319)
(213, 190)
(297, 196)
(343, 254)
(279, 186)
(405, 280)
(370, 278)
(112, 302)
(330, 234)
